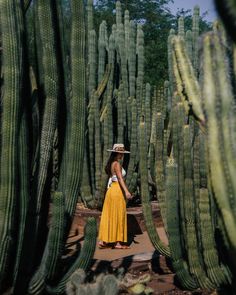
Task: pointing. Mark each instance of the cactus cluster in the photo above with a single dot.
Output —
(199, 152)
(63, 106)
(38, 179)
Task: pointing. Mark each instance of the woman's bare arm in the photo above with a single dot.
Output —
(117, 170)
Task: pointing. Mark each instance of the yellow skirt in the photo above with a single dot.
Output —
(113, 224)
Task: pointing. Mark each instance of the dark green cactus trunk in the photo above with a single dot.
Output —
(78, 108)
(147, 210)
(12, 71)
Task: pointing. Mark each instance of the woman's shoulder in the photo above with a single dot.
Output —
(116, 164)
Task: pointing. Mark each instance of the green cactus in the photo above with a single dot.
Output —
(53, 248)
(104, 284)
(90, 15)
(10, 121)
(118, 13)
(82, 261)
(147, 112)
(132, 58)
(188, 77)
(49, 121)
(173, 224)
(131, 173)
(181, 31)
(194, 259)
(123, 59)
(24, 191)
(92, 55)
(78, 107)
(195, 30)
(170, 61)
(147, 210)
(101, 50)
(159, 166)
(127, 32)
(189, 44)
(218, 179)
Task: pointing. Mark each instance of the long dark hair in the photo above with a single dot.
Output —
(109, 162)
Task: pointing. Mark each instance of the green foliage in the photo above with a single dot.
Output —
(157, 21)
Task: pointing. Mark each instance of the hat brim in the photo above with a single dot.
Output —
(120, 152)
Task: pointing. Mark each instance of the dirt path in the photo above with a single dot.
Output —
(139, 259)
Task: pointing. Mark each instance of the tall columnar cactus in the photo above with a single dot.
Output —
(101, 50)
(189, 44)
(218, 177)
(140, 67)
(132, 58)
(196, 268)
(131, 173)
(195, 30)
(90, 15)
(181, 31)
(170, 61)
(174, 225)
(78, 107)
(92, 61)
(159, 164)
(147, 210)
(127, 32)
(50, 83)
(118, 13)
(12, 70)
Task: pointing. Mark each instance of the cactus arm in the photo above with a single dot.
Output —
(188, 77)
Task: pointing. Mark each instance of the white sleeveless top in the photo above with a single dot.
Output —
(114, 178)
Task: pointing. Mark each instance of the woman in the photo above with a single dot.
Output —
(113, 224)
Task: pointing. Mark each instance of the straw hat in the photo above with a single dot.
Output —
(119, 148)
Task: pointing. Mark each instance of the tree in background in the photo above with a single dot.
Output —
(157, 21)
